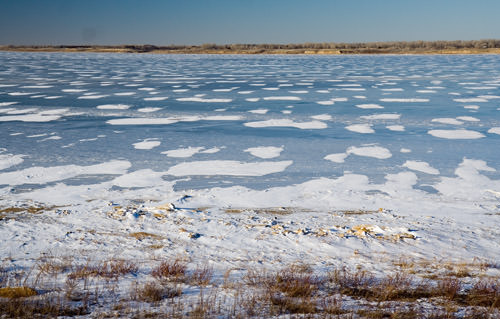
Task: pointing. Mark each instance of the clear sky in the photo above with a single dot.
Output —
(163, 22)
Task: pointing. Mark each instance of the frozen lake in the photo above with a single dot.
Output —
(373, 125)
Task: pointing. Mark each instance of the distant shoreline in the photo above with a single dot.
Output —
(416, 47)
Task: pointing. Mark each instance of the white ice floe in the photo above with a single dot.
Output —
(471, 100)
(405, 150)
(37, 117)
(337, 157)
(230, 168)
(370, 151)
(259, 111)
(156, 98)
(426, 91)
(421, 166)
(183, 152)
(93, 96)
(393, 90)
(74, 90)
(253, 99)
(329, 102)
(461, 134)
(148, 109)
(385, 116)
(124, 93)
(471, 107)
(468, 118)
(51, 138)
(9, 160)
(43, 175)
(369, 106)
(480, 87)
(265, 151)
(360, 128)
(282, 98)
(447, 120)
(114, 107)
(396, 128)
(17, 111)
(245, 92)
(409, 100)
(171, 120)
(7, 103)
(322, 117)
(212, 150)
(287, 123)
(147, 144)
(21, 93)
(489, 97)
(494, 130)
(199, 99)
(470, 183)
(140, 178)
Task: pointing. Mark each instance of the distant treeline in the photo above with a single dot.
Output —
(338, 48)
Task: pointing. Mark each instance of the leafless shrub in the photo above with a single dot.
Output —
(449, 287)
(486, 293)
(154, 292)
(170, 270)
(201, 276)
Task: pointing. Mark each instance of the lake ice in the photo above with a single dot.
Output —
(107, 109)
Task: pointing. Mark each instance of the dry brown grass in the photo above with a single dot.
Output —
(145, 235)
(201, 276)
(109, 269)
(17, 292)
(170, 270)
(155, 292)
(294, 291)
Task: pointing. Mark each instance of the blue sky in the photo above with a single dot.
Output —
(163, 22)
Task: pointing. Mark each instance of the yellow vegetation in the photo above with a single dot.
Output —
(17, 292)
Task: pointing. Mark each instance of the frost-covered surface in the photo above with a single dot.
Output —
(261, 155)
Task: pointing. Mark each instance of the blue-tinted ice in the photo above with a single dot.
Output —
(420, 93)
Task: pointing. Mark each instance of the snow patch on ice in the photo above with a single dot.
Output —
(370, 151)
(265, 151)
(9, 160)
(147, 144)
(287, 123)
(461, 134)
(337, 157)
(43, 175)
(361, 128)
(421, 166)
(447, 120)
(183, 152)
(410, 100)
(282, 98)
(230, 168)
(396, 128)
(369, 106)
(386, 116)
(203, 100)
(322, 117)
(259, 111)
(494, 130)
(114, 107)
